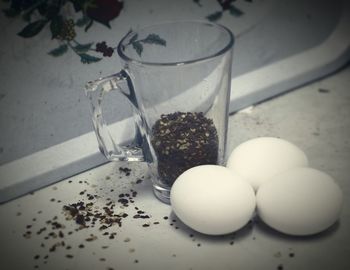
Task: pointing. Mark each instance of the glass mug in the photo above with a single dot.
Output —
(176, 76)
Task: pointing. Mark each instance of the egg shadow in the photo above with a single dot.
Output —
(264, 229)
(199, 237)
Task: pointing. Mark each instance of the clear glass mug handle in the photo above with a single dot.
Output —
(95, 91)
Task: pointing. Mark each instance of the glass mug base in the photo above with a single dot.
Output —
(163, 194)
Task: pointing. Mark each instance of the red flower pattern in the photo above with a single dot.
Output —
(104, 11)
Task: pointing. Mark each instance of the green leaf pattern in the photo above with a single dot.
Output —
(134, 38)
(227, 5)
(235, 11)
(150, 39)
(32, 29)
(154, 39)
(88, 59)
(83, 48)
(138, 47)
(59, 51)
(214, 16)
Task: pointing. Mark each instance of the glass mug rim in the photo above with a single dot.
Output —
(219, 52)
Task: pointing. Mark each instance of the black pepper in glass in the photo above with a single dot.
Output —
(183, 140)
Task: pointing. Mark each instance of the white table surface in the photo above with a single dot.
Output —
(318, 121)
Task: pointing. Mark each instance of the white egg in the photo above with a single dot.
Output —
(302, 201)
(257, 160)
(212, 200)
